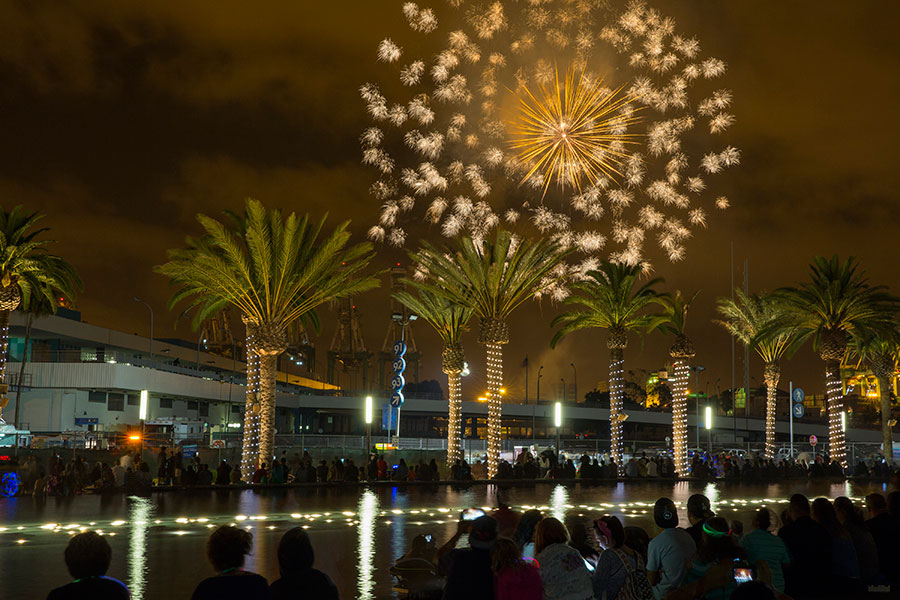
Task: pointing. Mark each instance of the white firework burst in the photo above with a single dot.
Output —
(448, 142)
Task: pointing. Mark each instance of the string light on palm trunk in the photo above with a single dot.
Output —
(770, 422)
(453, 427)
(679, 417)
(252, 428)
(834, 391)
(494, 384)
(616, 424)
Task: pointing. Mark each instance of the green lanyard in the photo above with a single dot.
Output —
(85, 579)
(227, 571)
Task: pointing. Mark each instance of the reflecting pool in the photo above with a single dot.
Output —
(159, 542)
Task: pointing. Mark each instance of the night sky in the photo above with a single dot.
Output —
(123, 120)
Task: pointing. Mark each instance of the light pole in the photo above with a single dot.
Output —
(574, 381)
(368, 415)
(403, 321)
(708, 429)
(557, 421)
(697, 370)
(142, 415)
(136, 299)
(538, 400)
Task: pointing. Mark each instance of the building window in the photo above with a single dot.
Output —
(134, 399)
(165, 403)
(115, 402)
(235, 409)
(98, 397)
(192, 405)
(204, 409)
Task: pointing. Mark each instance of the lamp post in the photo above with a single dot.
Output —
(557, 421)
(708, 429)
(142, 415)
(402, 320)
(574, 381)
(368, 415)
(697, 370)
(136, 299)
(563, 389)
(540, 374)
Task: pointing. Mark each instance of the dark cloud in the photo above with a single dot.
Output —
(123, 120)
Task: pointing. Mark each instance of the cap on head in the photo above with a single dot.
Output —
(665, 514)
(483, 533)
(698, 506)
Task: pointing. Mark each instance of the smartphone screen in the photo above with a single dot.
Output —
(472, 513)
(428, 538)
(742, 575)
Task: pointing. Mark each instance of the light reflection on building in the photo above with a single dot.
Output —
(367, 513)
(558, 501)
(139, 514)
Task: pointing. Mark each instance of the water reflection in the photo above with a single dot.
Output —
(558, 501)
(367, 512)
(139, 513)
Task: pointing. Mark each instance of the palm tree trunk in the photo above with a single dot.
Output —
(454, 421)
(679, 417)
(772, 375)
(28, 325)
(616, 397)
(4, 343)
(250, 445)
(268, 371)
(887, 439)
(495, 407)
(835, 397)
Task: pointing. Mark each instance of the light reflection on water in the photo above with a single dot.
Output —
(558, 501)
(367, 513)
(139, 514)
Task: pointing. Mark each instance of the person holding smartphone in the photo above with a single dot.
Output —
(720, 565)
(468, 570)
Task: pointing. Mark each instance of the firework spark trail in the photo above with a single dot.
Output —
(478, 142)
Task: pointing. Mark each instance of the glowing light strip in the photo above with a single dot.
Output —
(367, 511)
(836, 447)
(495, 408)
(616, 425)
(679, 417)
(250, 452)
(771, 402)
(454, 450)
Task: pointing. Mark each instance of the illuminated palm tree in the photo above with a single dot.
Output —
(449, 321)
(879, 350)
(609, 298)
(29, 275)
(836, 304)
(492, 278)
(274, 271)
(749, 318)
(673, 322)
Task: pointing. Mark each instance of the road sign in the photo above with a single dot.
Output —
(398, 365)
(399, 347)
(813, 440)
(799, 396)
(799, 410)
(388, 417)
(397, 382)
(397, 399)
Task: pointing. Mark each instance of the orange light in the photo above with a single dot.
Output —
(134, 438)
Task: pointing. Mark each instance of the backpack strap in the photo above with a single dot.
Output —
(619, 553)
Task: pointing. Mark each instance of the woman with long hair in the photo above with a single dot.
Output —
(515, 578)
(617, 562)
(563, 572)
(850, 516)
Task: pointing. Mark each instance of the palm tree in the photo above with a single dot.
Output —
(879, 350)
(836, 304)
(29, 274)
(449, 321)
(609, 298)
(492, 278)
(274, 271)
(746, 318)
(673, 322)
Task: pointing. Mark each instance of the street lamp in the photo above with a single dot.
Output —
(142, 415)
(697, 370)
(564, 395)
(557, 421)
(136, 299)
(574, 381)
(538, 401)
(708, 429)
(368, 414)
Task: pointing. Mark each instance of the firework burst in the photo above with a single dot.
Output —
(620, 152)
(572, 132)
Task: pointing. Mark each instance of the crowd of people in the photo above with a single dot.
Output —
(822, 549)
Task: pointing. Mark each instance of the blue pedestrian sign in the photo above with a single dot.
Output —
(388, 417)
(799, 396)
(798, 410)
(397, 399)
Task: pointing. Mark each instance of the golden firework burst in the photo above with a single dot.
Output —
(572, 132)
